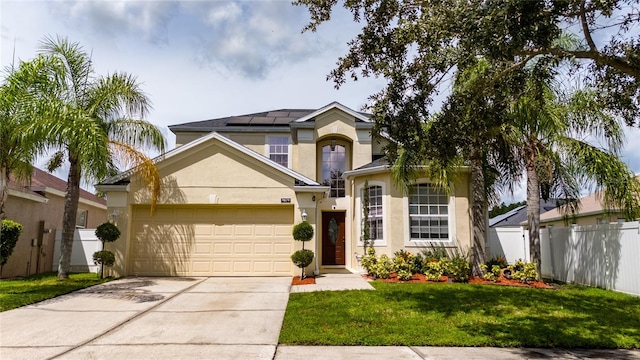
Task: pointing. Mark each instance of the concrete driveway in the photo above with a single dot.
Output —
(152, 318)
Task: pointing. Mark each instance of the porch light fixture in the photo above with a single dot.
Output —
(304, 215)
(333, 145)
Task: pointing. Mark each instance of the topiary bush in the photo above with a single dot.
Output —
(107, 232)
(11, 231)
(302, 232)
(302, 259)
(104, 257)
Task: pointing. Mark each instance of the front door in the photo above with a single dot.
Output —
(333, 242)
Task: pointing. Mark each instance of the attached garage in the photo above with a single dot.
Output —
(211, 240)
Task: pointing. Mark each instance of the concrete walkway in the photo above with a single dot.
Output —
(335, 282)
(205, 318)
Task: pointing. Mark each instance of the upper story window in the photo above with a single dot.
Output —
(81, 219)
(334, 163)
(278, 149)
(375, 212)
(428, 213)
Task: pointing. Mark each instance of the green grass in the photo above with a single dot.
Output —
(464, 315)
(31, 289)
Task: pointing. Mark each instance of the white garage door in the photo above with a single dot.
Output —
(212, 241)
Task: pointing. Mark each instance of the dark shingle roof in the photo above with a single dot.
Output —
(41, 180)
(375, 163)
(516, 216)
(273, 118)
(281, 117)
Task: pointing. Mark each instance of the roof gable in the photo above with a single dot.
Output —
(42, 182)
(214, 136)
(335, 105)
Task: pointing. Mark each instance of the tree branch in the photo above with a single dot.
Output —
(585, 27)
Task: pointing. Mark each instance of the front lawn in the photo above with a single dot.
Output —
(31, 289)
(464, 315)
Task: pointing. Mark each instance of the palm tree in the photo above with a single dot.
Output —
(467, 131)
(550, 137)
(95, 124)
(16, 150)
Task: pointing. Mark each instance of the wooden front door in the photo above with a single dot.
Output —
(333, 242)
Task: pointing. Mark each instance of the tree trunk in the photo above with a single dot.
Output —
(478, 215)
(4, 192)
(69, 218)
(533, 212)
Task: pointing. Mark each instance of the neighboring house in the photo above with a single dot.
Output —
(39, 206)
(234, 187)
(518, 217)
(591, 212)
(508, 234)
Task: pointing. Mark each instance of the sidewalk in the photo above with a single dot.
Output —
(285, 352)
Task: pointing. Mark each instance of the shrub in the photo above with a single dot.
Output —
(524, 272)
(384, 267)
(11, 231)
(403, 262)
(435, 253)
(459, 268)
(107, 232)
(498, 260)
(433, 269)
(490, 275)
(302, 232)
(369, 261)
(302, 259)
(404, 275)
(104, 257)
(417, 263)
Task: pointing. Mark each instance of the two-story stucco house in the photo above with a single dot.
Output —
(234, 187)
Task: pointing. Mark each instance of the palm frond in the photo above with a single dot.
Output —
(144, 167)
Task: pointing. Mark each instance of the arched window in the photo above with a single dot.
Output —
(334, 163)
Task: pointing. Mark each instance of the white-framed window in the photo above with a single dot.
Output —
(376, 220)
(81, 219)
(377, 212)
(428, 214)
(278, 149)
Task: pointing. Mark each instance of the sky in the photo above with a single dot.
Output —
(199, 60)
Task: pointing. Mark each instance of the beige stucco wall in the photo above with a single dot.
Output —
(29, 213)
(396, 214)
(211, 173)
(593, 219)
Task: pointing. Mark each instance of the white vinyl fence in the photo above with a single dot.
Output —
(605, 256)
(510, 242)
(85, 243)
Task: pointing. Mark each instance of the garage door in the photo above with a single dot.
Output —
(212, 241)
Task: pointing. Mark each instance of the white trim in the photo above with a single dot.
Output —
(334, 105)
(451, 217)
(23, 195)
(226, 141)
(385, 218)
(366, 171)
(311, 189)
(267, 146)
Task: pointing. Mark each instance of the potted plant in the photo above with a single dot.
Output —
(302, 258)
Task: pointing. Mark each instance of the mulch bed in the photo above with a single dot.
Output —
(420, 278)
(309, 280)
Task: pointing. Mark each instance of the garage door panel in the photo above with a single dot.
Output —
(210, 241)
